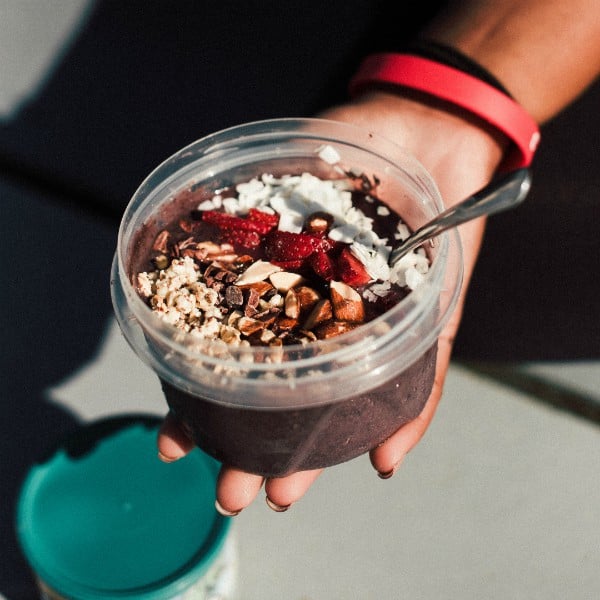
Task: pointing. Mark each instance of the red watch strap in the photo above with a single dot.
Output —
(460, 89)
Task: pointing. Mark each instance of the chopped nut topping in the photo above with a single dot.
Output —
(347, 303)
(284, 280)
(234, 296)
(160, 243)
(307, 297)
(318, 222)
(321, 312)
(331, 329)
(247, 326)
(262, 288)
(292, 304)
(258, 271)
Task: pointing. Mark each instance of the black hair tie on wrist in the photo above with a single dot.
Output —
(452, 57)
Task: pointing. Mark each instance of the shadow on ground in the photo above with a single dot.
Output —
(56, 301)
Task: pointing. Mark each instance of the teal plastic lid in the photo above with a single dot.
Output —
(102, 517)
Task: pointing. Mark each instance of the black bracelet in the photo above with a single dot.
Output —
(451, 57)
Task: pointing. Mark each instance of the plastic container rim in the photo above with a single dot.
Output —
(219, 143)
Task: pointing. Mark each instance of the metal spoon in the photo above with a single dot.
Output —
(500, 194)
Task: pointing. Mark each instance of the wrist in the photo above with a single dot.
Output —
(437, 132)
(460, 151)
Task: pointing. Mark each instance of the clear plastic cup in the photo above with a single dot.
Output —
(274, 411)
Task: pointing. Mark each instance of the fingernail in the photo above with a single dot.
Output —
(386, 474)
(225, 512)
(276, 507)
(168, 459)
(390, 473)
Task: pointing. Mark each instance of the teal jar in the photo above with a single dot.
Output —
(103, 518)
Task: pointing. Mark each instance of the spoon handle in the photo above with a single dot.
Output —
(500, 194)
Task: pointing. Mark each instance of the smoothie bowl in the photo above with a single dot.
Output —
(252, 275)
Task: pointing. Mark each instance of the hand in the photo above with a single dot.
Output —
(462, 155)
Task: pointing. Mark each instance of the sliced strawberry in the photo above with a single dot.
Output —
(254, 222)
(289, 265)
(350, 269)
(326, 244)
(287, 245)
(323, 265)
(269, 220)
(245, 239)
(221, 220)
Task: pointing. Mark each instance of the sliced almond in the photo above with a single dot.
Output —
(333, 328)
(187, 243)
(210, 248)
(346, 302)
(267, 336)
(284, 280)
(160, 243)
(259, 271)
(268, 316)
(308, 297)
(321, 312)
(285, 324)
(308, 336)
(248, 325)
(292, 304)
(225, 258)
(230, 335)
(233, 317)
(260, 287)
(243, 259)
(252, 302)
(276, 300)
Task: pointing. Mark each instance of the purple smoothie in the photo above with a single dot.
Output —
(274, 443)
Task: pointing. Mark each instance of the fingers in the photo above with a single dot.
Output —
(236, 490)
(387, 458)
(282, 492)
(172, 441)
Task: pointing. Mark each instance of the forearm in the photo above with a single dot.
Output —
(545, 52)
